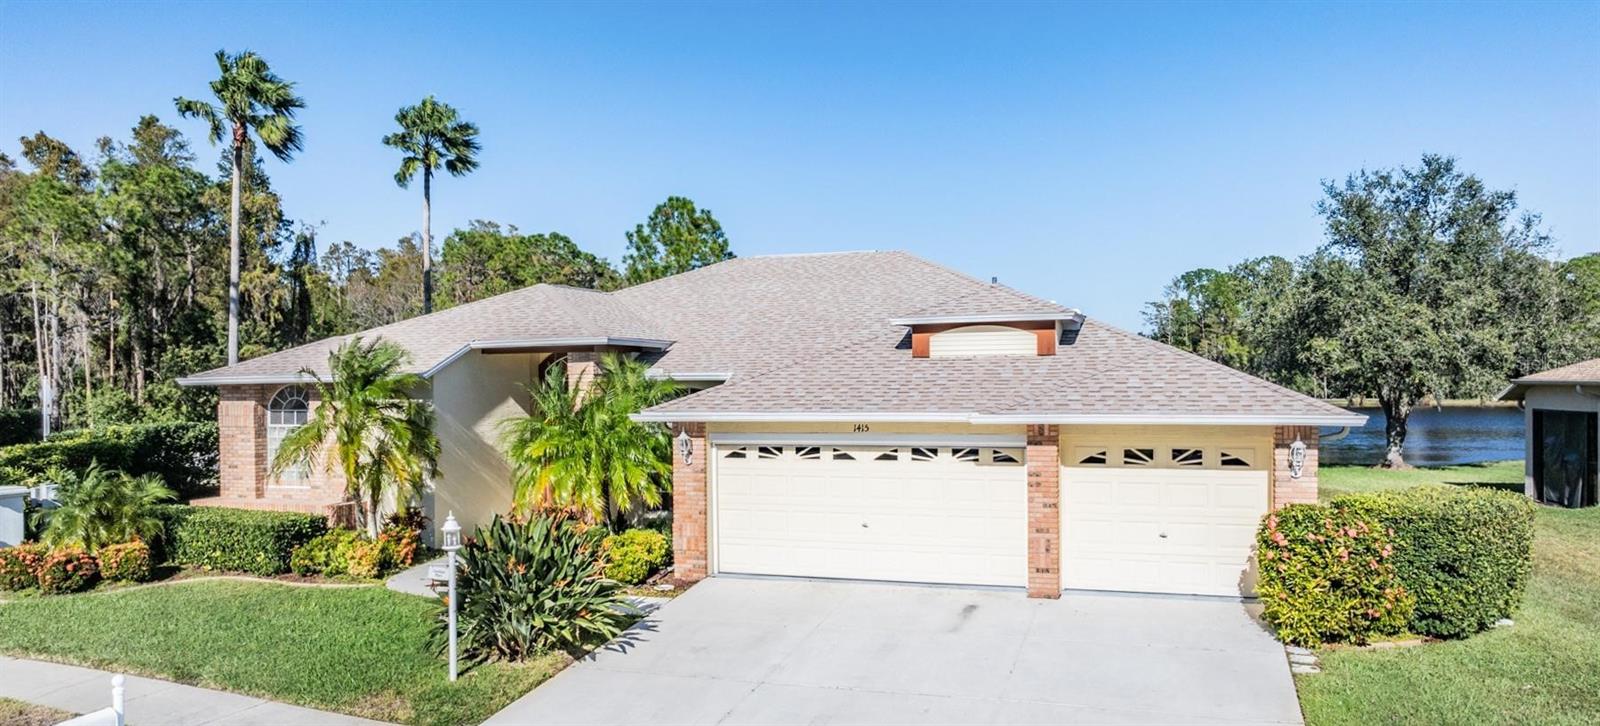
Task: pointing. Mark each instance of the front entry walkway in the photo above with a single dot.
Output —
(754, 651)
(150, 701)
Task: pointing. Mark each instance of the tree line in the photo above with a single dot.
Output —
(1428, 286)
(126, 267)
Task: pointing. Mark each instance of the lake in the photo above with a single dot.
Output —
(1436, 437)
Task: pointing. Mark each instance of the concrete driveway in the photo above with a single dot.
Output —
(753, 651)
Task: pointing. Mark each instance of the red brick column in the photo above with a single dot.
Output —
(1286, 489)
(1044, 511)
(690, 563)
(242, 440)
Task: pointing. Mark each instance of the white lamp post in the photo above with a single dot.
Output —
(452, 542)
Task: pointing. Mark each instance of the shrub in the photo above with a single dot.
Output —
(327, 554)
(1464, 553)
(402, 544)
(19, 566)
(633, 556)
(127, 562)
(527, 587)
(347, 552)
(183, 454)
(69, 569)
(1327, 575)
(241, 540)
(19, 426)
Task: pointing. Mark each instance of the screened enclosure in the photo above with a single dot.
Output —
(1564, 457)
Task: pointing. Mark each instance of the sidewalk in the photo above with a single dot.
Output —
(149, 701)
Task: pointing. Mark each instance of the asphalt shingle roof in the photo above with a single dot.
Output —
(810, 335)
(1582, 372)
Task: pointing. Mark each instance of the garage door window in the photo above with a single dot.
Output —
(1138, 457)
(1089, 456)
(1188, 457)
(1237, 458)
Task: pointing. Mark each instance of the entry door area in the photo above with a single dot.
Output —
(933, 514)
(1167, 519)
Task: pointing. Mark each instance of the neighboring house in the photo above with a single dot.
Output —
(1563, 438)
(866, 415)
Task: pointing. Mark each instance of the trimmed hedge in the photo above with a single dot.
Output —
(68, 569)
(19, 426)
(1327, 575)
(126, 562)
(237, 540)
(19, 566)
(183, 454)
(1465, 553)
(633, 556)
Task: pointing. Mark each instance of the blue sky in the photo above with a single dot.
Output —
(1084, 153)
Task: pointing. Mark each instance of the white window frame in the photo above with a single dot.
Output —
(281, 420)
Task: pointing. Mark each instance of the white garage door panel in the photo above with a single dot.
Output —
(942, 520)
(1114, 519)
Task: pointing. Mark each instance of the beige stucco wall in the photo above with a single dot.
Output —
(1556, 398)
(471, 397)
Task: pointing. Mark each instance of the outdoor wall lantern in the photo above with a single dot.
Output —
(1297, 458)
(685, 446)
(451, 531)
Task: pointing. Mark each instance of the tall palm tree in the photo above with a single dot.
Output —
(105, 507)
(368, 424)
(250, 97)
(581, 450)
(431, 135)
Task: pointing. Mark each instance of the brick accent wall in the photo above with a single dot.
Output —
(242, 461)
(582, 367)
(1285, 488)
(690, 558)
(1044, 510)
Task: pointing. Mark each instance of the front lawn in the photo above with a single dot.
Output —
(18, 713)
(361, 650)
(1543, 670)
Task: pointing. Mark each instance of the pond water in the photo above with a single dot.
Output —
(1435, 437)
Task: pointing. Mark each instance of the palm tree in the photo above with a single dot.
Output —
(250, 98)
(105, 507)
(431, 135)
(367, 421)
(581, 450)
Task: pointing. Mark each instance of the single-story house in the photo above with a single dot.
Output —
(861, 415)
(1563, 438)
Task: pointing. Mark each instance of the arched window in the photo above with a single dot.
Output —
(288, 410)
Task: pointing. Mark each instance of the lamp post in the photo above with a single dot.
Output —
(452, 542)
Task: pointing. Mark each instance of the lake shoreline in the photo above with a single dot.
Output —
(1429, 404)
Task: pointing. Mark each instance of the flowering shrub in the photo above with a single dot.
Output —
(128, 562)
(1327, 575)
(68, 569)
(19, 566)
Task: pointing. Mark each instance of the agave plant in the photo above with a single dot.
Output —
(535, 586)
(105, 507)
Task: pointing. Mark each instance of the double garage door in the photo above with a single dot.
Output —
(1139, 518)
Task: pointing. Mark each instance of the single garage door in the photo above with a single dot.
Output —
(937, 514)
(1143, 517)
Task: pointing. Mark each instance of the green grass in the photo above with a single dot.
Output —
(1543, 670)
(363, 651)
(18, 713)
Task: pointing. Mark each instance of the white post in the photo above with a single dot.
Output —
(116, 699)
(451, 558)
(452, 542)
